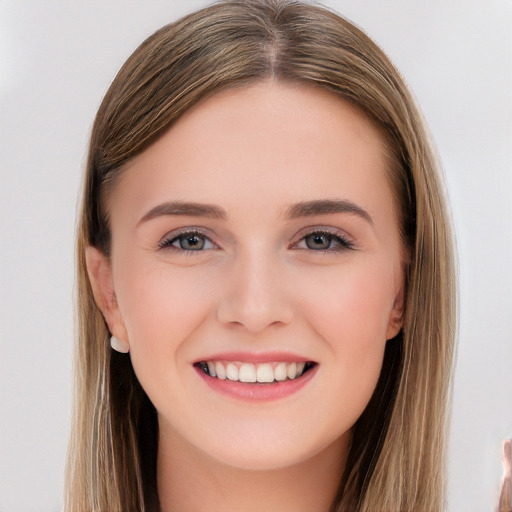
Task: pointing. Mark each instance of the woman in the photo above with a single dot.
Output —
(265, 276)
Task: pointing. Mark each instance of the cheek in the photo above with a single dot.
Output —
(160, 308)
(350, 311)
(352, 305)
(352, 321)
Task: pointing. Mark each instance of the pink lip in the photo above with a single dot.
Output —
(254, 358)
(256, 392)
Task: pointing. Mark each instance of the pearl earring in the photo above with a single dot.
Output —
(119, 346)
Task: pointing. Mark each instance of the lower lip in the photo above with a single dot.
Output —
(256, 392)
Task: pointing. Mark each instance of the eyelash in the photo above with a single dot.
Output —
(167, 243)
(340, 243)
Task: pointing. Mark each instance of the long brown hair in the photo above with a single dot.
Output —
(396, 458)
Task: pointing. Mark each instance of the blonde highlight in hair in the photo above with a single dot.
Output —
(396, 458)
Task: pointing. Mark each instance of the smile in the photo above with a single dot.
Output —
(265, 373)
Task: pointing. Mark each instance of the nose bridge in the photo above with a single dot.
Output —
(255, 295)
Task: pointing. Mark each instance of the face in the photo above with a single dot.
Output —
(256, 273)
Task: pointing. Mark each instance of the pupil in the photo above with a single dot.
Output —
(318, 241)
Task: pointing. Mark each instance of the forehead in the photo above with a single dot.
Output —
(275, 142)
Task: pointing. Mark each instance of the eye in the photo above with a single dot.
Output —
(187, 241)
(324, 241)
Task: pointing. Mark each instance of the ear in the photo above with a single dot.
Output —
(396, 316)
(99, 270)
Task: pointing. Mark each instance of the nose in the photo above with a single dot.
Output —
(254, 294)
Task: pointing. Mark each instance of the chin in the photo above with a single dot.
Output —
(280, 450)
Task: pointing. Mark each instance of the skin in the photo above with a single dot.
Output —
(257, 286)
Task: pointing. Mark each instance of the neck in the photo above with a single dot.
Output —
(190, 480)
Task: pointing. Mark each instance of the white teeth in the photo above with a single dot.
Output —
(265, 373)
(211, 369)
(231, 372)
(280, 371)
(291, 372)
(248, 372)
(220, 370)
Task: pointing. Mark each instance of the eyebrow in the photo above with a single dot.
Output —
(183, 208)
(302, 209)
(327, 206)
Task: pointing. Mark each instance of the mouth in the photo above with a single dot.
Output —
(260, 373)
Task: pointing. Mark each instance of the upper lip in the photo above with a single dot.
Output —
(255, 357)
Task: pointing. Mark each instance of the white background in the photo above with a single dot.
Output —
(56, 60)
